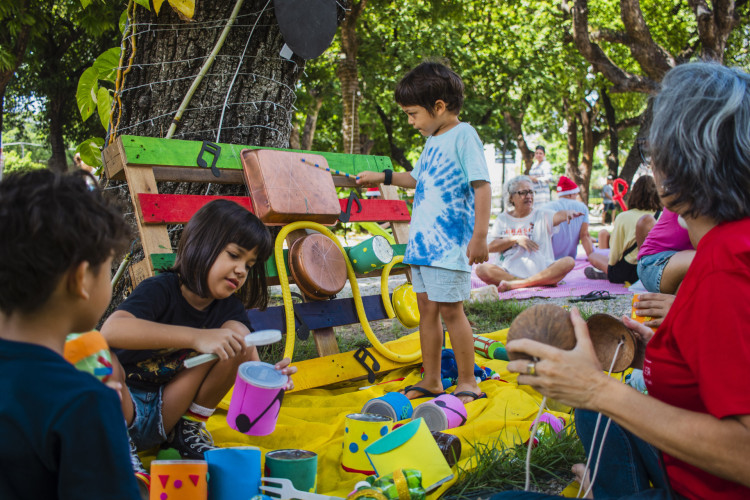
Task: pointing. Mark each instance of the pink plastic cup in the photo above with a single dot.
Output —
(256, 399)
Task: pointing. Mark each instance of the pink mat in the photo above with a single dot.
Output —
(573, 285)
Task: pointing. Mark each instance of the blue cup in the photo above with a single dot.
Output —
(394, 405)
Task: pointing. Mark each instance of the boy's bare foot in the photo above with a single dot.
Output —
(578, 470)
(422, 390)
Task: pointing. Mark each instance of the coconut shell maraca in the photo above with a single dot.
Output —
(546, 323)
(606, 332)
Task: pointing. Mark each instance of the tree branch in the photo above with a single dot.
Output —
(654, 60)
(613, 36)
(622, 80)
(714, 26)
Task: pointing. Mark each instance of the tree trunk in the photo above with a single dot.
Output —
(308, 132)
(255, 108)
(349, 78)
(397, 153)
(613, 162)
(515, 123)
(633, 160)
(58, 162)
(571, 167)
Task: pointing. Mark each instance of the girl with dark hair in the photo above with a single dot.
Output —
(622, 264)
(196, 307)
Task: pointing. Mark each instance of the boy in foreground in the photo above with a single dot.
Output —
(62, 430)
(450, 219)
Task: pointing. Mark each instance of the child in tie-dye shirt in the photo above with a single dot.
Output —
(449, 224)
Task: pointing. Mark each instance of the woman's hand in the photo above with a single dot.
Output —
(572, 377)
(283, 365)
(224, 342)
(565, 216)
(526, 243)
(655, 305)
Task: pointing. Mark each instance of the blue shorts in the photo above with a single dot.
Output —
(651, 267)
(147, 429)
(441, 285)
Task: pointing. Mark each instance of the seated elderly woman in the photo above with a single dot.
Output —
(695, 420)
(523, 239)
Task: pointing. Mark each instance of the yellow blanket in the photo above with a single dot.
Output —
(313, 419)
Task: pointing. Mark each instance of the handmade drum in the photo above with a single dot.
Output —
(285, 189)
(256, 398)
(317, 266)
(371, 254)
(89, 352)
(606, 333)
(362, 429)
(450, 446)
(234, 472)
(394, 405)
(300, 466)
(549, 427)
(178, 480)
(443, 412)
(409, 446)
(405, 305)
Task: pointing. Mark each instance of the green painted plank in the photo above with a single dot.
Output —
(163, 261)
(153, 151)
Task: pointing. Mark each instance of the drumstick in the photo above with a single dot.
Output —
(261, 337)
(328, 169)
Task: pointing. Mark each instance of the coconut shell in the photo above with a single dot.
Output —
(546, 323)
(606, 332)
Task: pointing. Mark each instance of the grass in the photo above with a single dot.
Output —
(502, 468)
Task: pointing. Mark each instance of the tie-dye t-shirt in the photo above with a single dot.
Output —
(442, 220)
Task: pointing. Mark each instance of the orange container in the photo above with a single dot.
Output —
(634, 313)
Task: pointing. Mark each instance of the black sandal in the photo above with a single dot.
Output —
(593, 296)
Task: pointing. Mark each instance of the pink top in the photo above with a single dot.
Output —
(666, 235)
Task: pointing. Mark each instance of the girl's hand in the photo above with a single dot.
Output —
(526, 243)
(572, 377)
(370, 179)
(283, 365)
(655, 305)
(224, 342)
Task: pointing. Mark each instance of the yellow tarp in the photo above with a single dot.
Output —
(313, 419)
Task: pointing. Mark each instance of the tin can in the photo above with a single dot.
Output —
(300, 466)
(362, 429)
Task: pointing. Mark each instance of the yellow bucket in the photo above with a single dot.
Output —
(405, 305)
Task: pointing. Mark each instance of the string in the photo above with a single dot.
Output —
(596, 430)
(531, 442)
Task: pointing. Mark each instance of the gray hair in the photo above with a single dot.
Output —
(512, 186)
(699, 140)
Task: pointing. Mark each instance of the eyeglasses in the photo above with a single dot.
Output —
(643, 150)
(523, 193)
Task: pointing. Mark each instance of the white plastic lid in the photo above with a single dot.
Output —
(262, 375)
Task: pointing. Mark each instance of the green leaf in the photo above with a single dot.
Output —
(91, 151)
(144, 4)
(104, 104)
(123, 20)
(85, 3)
(86, 93)
(107, 63)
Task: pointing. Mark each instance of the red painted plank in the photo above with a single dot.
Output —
(178, 208)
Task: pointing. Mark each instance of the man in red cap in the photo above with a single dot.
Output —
(565, 240)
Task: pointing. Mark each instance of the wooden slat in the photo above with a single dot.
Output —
(153, 152)
(319, 314)
(179, 208)
(203, 175)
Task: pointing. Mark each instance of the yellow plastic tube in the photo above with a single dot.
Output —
(287, 295)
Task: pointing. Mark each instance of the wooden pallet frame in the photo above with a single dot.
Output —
(144, 161)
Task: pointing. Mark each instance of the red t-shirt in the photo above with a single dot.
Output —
(699, 358)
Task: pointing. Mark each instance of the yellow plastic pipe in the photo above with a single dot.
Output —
(287, 295)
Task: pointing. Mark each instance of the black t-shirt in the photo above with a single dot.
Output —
(160, 300)
(62, 431)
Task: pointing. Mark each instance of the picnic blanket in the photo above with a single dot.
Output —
(314, 420)
(573, 285)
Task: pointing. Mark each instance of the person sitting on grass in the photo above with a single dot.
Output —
(62, 430)
(665, 254)
(197, 307)
(522, 238)
(621, 266)
(565, 240)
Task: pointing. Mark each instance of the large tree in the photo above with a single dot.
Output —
(656, 41)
